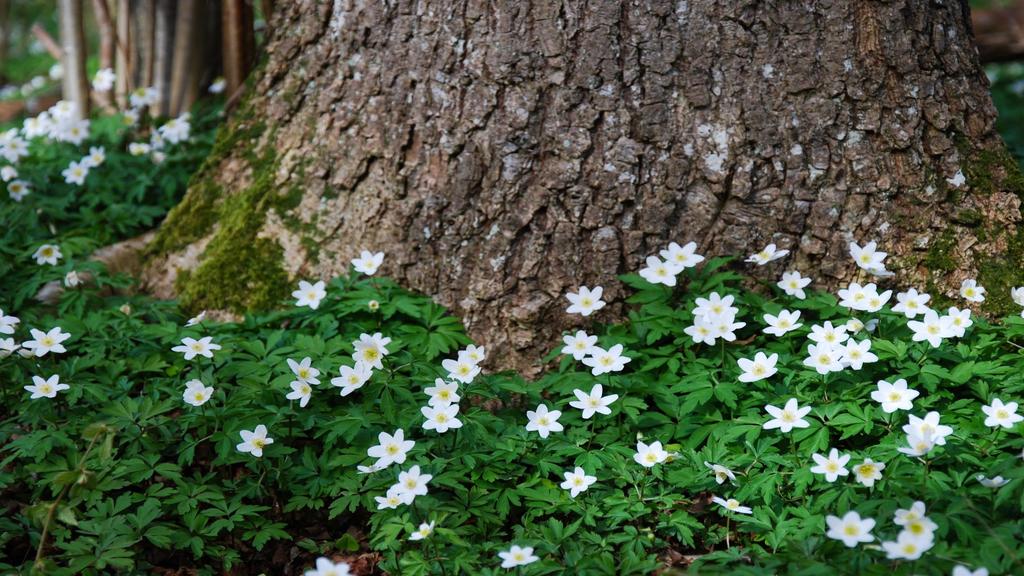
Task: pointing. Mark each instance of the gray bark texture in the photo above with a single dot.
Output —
(504, 152)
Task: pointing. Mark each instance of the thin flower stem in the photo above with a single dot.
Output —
(437, 556)
(590, 430)
(38, 563)
(990, 441)
(727, 521)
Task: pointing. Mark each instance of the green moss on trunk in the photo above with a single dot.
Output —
(988, 172)
(239, 270)
(999, 274)
(940, 256)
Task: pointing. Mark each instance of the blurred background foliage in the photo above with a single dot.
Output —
(1007, 81)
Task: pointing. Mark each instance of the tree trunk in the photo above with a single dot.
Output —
(72, 38)
(143, 13)
(163, 52)
(108, 46)
(237, 19)
(185, 62)
(5, 33)
(999, 31)
(502, 153)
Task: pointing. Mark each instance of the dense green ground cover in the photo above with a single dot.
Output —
(134, 467)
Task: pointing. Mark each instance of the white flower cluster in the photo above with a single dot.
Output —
(916, 535)
(714, 317)
(34, 85)
(673, 261)
(59, 123)
(41, 344)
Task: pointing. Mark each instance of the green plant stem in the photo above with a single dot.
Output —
(990, 441)
(53, 507)
(727, 522)
(437, 555)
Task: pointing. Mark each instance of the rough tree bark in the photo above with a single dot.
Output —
(504, 152)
